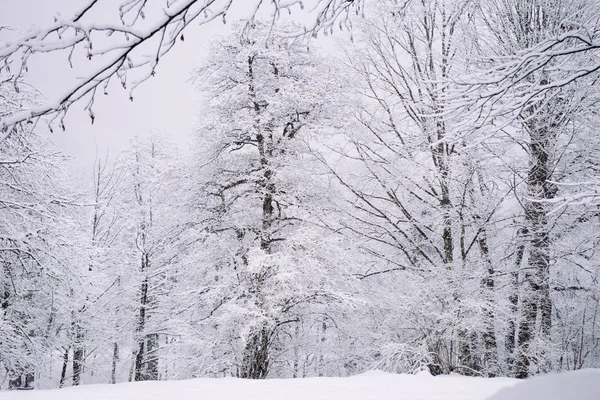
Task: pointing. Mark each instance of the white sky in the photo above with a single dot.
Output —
(166, 103)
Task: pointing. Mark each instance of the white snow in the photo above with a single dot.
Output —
(573, 385)
(374, 385)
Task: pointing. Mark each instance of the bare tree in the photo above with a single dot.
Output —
(532, 92)
(429, 221)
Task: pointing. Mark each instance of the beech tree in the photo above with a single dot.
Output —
(268, 102)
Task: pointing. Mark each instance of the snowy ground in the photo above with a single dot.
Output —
(369, 386)
(577, 385)
(574, 385)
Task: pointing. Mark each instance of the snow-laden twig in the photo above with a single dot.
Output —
(135, 45)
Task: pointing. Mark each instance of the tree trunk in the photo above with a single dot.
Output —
(255, 364)
(21, 380)
(115, 358)
(63, 371)
(441, 159)
(490, 356)
(526, 324)
(513, 299)
(151, 367)
(146, 368)
(78, 352)
(536, 280)
(141, 339)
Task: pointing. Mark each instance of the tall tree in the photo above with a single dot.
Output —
(151, 229)
(268, 102)
(36, 248)
(421, 212)
(542, 119)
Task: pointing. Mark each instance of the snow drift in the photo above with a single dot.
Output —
(374, 385)
(573, 385)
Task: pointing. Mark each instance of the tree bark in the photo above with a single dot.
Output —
(255, 364)
(115, 358)
(63, 371)
(490, 355)
(513, 298)
(536, 280)
(146, 367)
(78, 352)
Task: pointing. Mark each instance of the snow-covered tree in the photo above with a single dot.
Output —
(274, 269)
(421, 203)
(36, 248)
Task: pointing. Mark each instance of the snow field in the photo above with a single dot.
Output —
(374, 385)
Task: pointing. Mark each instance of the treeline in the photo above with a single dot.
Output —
(424, 199)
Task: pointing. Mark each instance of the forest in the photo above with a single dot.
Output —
(405, 186)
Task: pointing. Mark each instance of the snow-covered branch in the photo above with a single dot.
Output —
(529, 76)
(135, 45)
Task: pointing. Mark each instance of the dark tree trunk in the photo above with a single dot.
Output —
(146, 366)
(152, 357)
(536, 279)
(255, 364)
(15, 383)
(78, 353)
(115, 358)
(141, 340)
(63, 371)
(139, 352)
(513, 299)
(296, 365)
(490, 356)
(322, 340)
(22, 380)
(442, 160)
(526, 325)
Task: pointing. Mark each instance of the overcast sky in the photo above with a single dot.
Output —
(167, 103)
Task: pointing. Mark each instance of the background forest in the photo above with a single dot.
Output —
(423, 197)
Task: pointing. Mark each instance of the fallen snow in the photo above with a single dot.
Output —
(374, 385)
(573, 385)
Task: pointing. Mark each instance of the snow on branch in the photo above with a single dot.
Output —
(135, 45)
(529, 76)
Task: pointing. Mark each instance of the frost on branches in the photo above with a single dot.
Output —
(36, 248)
(128, 46)
(278, 277)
